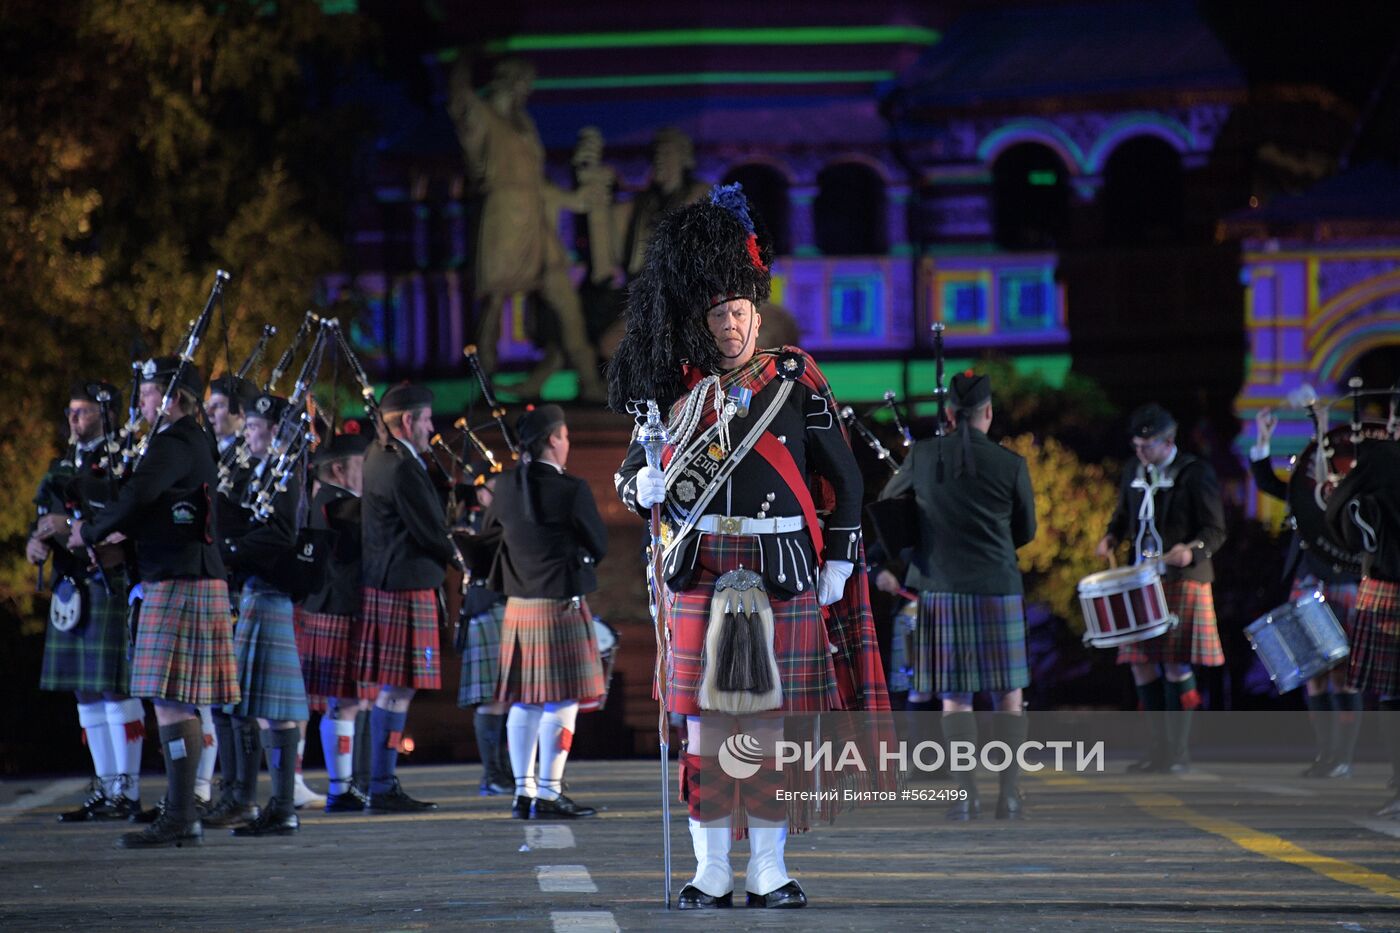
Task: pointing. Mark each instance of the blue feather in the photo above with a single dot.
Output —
(731, 198)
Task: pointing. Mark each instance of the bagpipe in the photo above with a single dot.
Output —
(235, 457)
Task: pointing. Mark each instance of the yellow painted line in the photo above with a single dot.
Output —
(1167, 807)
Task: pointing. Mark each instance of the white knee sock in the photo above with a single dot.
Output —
(208, 755)
(522, 731)
(556, 738)
(126, 724)
(93, 718)
(338, 744)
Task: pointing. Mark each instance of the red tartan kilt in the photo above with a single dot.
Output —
(549, 653)
(328, 646)
(1375, 644)
(1194, 640)
(809, 679)
(399, 644)
(184, 644)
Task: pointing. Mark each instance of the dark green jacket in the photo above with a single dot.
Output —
(969, 525)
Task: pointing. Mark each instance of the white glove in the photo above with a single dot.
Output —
(651, 486)
(832, 581)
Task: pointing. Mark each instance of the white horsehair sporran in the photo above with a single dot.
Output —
(740, 664)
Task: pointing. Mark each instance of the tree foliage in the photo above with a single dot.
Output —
(144, 144)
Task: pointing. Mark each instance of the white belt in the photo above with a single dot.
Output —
(734, 525)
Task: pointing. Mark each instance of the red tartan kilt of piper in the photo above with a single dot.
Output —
(1194, 640)
(328, 645)
(399, 640)
(805, 669)
(1375, 640)
(549, 653)
(184, 644)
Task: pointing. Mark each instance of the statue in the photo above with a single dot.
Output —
(518, 247)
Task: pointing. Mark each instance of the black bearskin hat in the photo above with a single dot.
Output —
(698, 255)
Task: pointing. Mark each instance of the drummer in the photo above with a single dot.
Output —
(1169, 509)
(1334, 705)
(976, 507)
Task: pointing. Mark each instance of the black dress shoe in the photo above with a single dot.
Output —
(561, 808)
(97, 806)
(229, 812)
(1316, 769)
(788, 896)
(149, 815)
(964, 810)
(1147, 766)
(520, 809)
(274, 820)
(352, 801)
(1391, 809)
(692, 898)
(1011, 807)
(164, 833)
(394, 800)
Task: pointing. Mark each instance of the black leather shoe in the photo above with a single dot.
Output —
(149, 815)
(229, 812)
(692, 898)
(964, 810)
(789, 895)
(1011, 807)
(520, 809)
(394, 800)
(164, 833)
(97, 806)
(1315, 769)
(1391, 809)
(352, 801)
(272, 821)
(1146, 766)
(561, 808)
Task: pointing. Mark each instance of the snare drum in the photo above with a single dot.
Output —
(1124, 605)
(607, 654)
(1298, 641)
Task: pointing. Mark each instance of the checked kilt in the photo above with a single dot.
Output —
(184, 644)
(481, 658)
(1194, 640)
(328, 645)
(805, 668)
(1375, 641)
(1340, 596)
(968, 642)
(399, 641)
(264, 643)
(549, 652)
(94, 656)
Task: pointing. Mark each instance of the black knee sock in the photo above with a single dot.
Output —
(249, 758)
(962, 727)
(1012, 729)
(1320, 716)
(180, 744)
(488, 728)
(281, 748)
(1346, 728)
(1152, 700)
(360, 764)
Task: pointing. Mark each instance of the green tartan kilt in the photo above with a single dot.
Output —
(95, 656)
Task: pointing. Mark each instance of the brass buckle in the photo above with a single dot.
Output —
(729, 525)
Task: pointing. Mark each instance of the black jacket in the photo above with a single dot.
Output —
(167, 507)
(969, 525)
(808, 428)
(1369, 498)
(78, 488)
(1302, 560)
(403, 526)
(1187, 512)
(337, 510)
(554, 554)
(252, 548)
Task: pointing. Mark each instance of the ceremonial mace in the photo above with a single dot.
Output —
(651, 434)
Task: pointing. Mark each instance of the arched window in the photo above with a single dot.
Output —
(1143, 194)
(849, 212)
(767, 191)
(1031, 192)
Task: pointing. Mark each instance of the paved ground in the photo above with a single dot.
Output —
(1239, 846)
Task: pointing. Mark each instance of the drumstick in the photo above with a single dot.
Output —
(1112, 561)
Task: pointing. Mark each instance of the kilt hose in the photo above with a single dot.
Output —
(1195, 639)
(328, 645)
(95, 656)
(805, 670)
(1340, 596)
(1375, 643)
(264, 643)
(184, 644)
(399, 643)
(967, 643)
(549, 652)
(481, 658)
